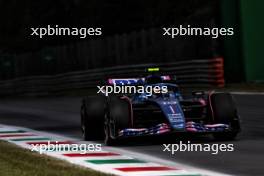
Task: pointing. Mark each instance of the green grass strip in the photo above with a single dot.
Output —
(115, 161)
(16, 161)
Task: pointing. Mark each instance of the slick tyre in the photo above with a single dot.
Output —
(118, 118)
(92, 117)
(224, 111)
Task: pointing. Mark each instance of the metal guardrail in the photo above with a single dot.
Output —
(202, 73)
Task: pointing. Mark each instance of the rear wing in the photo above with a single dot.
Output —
(132, 81)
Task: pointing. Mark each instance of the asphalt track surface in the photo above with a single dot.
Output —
(61, 115)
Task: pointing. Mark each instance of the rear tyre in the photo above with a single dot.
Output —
(224, 111)
(118, 118)
(92, 117)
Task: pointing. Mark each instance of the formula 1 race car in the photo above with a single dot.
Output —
(142, 114)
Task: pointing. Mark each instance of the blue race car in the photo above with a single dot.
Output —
(111, 117)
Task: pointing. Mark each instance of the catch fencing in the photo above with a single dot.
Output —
(191, 73)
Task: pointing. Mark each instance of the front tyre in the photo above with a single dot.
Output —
(224, 111)
(92, 117)
(118, 118)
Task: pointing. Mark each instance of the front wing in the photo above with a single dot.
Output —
(164, 128)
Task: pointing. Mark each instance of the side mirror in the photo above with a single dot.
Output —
(198, 94)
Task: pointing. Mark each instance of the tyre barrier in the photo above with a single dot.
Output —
(191, 73)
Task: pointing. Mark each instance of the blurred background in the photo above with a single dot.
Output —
(131, 39)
